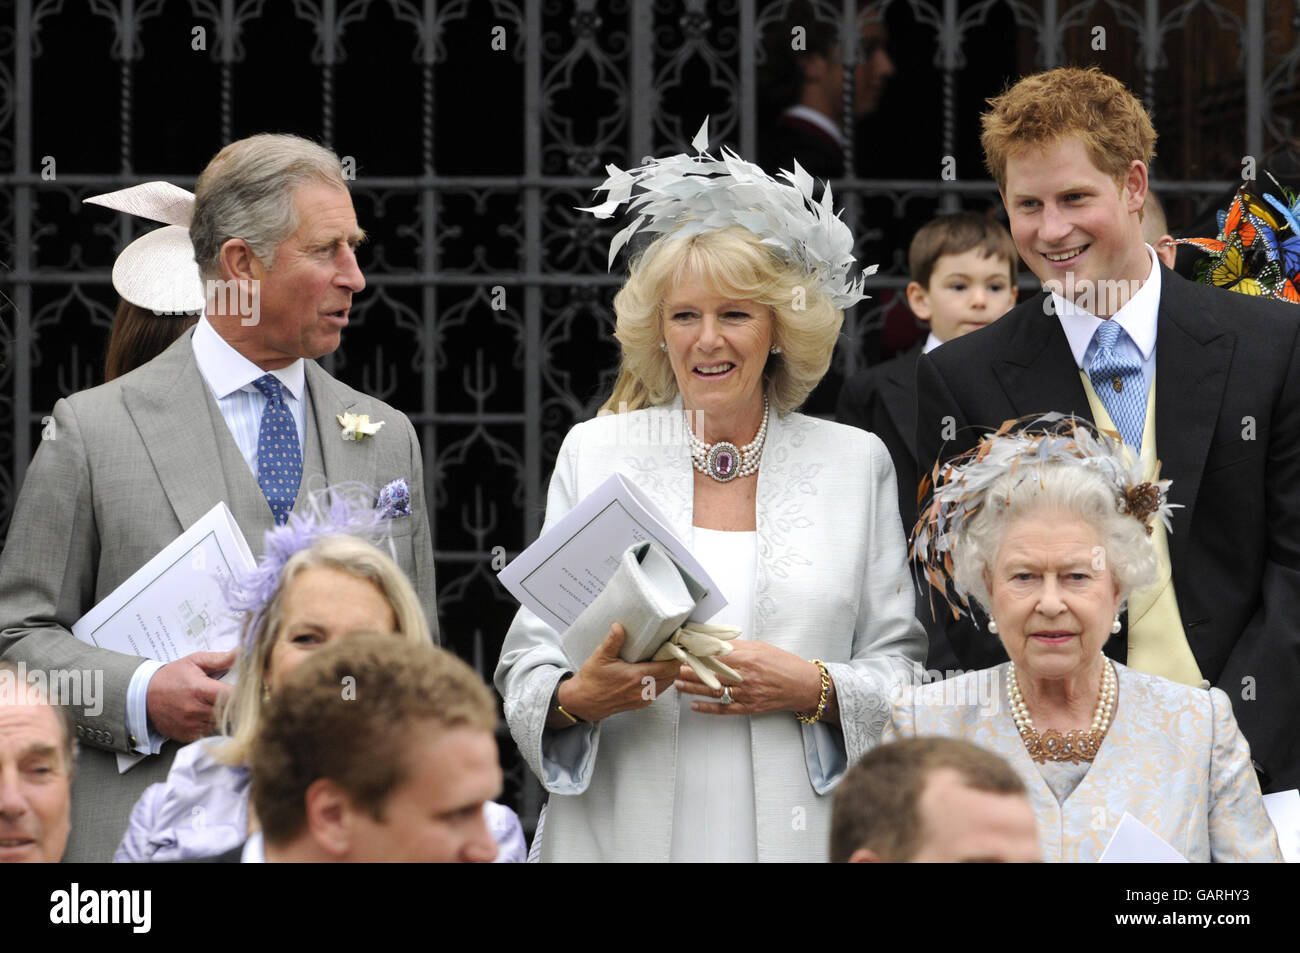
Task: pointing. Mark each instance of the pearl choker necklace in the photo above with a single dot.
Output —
(724, 461)
(1073, 746)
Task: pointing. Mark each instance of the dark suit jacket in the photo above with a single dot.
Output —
(1228, 430)
(882, 399)
(131, 464)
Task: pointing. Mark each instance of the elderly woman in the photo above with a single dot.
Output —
(316, 583)
(725, 330)
(1047, 529)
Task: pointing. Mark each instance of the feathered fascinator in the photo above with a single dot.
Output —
(699, 193)
(961, 486)
(343, 510)
(1258, 248)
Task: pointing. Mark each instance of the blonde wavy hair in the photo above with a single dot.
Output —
(242, 712)
(735, 263)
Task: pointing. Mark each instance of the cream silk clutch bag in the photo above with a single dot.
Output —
(651, 595)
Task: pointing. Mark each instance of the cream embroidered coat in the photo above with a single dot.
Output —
(1174, 758)
(832, 584)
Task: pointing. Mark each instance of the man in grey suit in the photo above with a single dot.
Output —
(235, 410)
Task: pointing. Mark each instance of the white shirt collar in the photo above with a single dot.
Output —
(818, 119)
(226, 370)
(931, 343)
(253, 852)
(1137, 317)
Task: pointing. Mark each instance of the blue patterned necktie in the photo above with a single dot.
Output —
(1117, 379)
(279, 459)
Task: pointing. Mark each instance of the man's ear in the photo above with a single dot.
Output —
(918, 299)
(329, 817)
(237, 261)
(865, 855)
(1135, 186)
(1166, 250)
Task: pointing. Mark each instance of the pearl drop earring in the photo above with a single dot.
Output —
(1116, 626)
(993, 626)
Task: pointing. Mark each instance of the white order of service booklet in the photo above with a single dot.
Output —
(567, 567)
(174, 604)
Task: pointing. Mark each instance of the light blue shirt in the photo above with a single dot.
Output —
(230, 377)
(1137, 318)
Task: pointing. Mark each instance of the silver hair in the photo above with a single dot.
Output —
(247, 190)
(1065, 488)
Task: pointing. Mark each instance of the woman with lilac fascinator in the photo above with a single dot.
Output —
(727, 321)
(323, 575)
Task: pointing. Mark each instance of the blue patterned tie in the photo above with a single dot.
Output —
(279, 460)
(1117, 379)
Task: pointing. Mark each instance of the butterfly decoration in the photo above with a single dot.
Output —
(1232, 270)
(1257, 250)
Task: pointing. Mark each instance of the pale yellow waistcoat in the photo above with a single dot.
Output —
(1156, 640)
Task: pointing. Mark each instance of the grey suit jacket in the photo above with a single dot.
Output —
(130, 465)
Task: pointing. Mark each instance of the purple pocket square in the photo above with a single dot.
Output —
(394, 500)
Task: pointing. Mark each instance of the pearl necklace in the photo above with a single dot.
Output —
(1074, 745)
(724, 461)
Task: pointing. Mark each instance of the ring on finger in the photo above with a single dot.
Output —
(726, 696)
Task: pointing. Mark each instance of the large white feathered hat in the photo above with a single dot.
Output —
(691, 194)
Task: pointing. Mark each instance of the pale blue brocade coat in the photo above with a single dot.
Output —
(1174, 758)
(832, 584)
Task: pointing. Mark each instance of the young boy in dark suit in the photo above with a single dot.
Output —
(963, 269)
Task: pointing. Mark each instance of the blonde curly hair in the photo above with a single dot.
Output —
(736, 263)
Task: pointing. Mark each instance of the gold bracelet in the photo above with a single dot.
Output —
(821, 702)
(573, 719)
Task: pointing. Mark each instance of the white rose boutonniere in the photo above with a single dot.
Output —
(356, 426)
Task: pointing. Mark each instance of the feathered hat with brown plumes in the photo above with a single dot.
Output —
(961, 486)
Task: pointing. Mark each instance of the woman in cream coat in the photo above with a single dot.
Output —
(645, 762)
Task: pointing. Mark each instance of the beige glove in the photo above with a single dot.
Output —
(698, 645)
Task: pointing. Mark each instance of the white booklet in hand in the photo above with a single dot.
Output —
(1135, 843)
(173, 605)
(559, 575)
